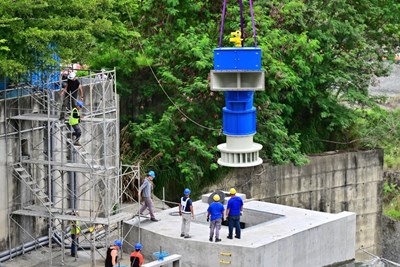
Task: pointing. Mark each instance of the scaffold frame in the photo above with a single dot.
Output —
(56, 181)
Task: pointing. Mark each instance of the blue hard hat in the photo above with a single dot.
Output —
(138, 246)
(79, 103)
(152, 174)
(186, 191)
(118, 243)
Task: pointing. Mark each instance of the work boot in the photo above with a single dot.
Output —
(217, 239)
(187, 236)
(229, 237)
(153, 220)
(211, 239)
(182, 235)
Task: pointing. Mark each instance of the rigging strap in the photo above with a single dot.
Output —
(241, 21)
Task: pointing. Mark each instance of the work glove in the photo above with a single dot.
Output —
(208, 219)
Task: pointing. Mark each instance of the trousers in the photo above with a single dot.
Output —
(234, 221)
(148, 203)
(185, 227)
(215, 225)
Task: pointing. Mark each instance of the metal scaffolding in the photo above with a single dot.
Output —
(52, 178)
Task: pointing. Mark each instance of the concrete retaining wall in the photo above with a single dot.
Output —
(331, 182)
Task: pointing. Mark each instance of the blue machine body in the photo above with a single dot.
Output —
(237, 58)
(238, 115)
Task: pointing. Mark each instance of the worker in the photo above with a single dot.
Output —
(136, 256)
(233, 212)
(186, 211)
(72, 87)
(74, 120)
(146, 188)
(75, 231)
(112, 254)
(216, 211)
(101, 76)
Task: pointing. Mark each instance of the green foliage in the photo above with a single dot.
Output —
(381, 128)
(392, 213)
(318, 56)
(390, 191)
(391, 198)
(33, 30)
(392, 208)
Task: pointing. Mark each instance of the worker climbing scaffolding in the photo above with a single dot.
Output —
(69, 94)
(75, 120)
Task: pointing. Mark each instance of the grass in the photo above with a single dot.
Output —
(394, 214)
(391, 206)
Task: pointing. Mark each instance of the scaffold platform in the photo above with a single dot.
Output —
(38, 212)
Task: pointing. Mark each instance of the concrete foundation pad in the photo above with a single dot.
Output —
(274, 235)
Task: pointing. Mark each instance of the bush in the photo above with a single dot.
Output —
(391, 198)
(394, 214)
(390, 192)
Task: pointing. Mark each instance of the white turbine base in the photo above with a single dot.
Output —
(239, 151)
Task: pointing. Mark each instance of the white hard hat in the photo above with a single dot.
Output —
(71, 75)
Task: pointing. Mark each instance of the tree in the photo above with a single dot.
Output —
(34, 30)
(319, 57)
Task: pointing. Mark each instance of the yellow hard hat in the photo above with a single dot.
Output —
(216, 198)
(232, 191)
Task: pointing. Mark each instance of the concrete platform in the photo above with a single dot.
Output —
(274, 235)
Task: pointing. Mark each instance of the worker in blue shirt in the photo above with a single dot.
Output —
(216, 211)
(233, 213)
